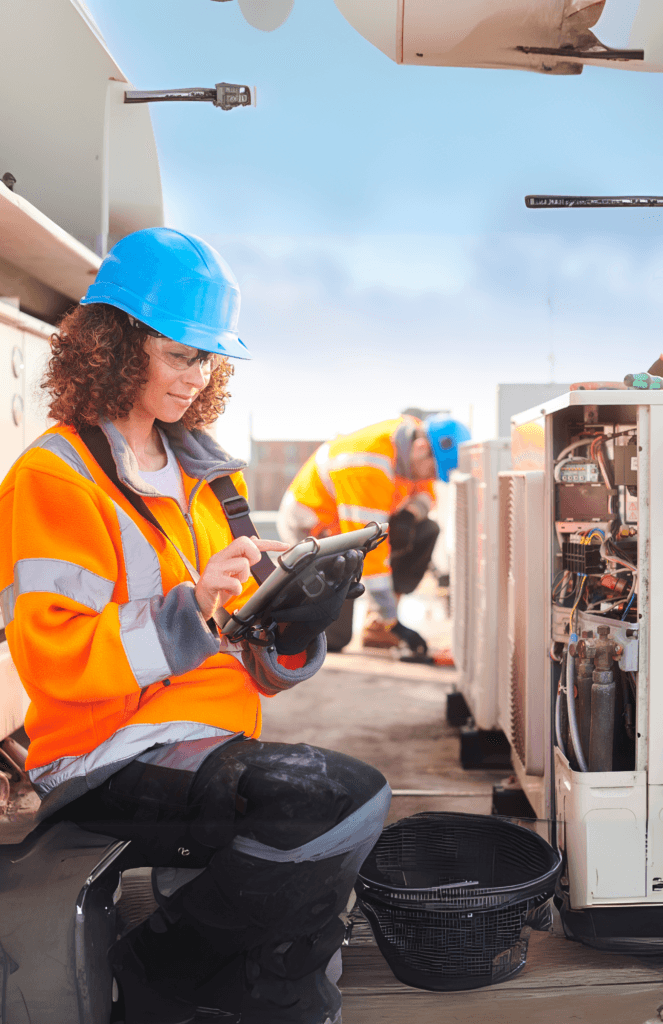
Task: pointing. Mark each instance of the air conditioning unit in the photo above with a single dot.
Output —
(521, 628)
(473, 578)
(461, 576)
(601, 694)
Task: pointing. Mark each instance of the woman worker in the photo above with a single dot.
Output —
(143, 721)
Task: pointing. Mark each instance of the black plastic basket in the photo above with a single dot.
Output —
(449, 897)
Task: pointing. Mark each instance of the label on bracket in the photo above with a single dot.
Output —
(631, 509)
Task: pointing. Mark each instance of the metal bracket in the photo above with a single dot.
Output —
(558, 202)
(224, 95)
(605, 53)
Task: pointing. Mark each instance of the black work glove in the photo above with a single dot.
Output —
(415, 642)
(335, 579)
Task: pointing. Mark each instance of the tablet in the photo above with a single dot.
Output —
(299, 563)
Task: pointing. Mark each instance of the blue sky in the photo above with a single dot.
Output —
(374, 215)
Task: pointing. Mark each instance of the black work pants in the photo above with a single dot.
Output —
(280, 831)
(411, 550)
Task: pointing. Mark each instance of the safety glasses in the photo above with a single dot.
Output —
(179, 357)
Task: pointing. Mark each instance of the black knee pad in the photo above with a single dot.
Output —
(427, 532)
(289, 794)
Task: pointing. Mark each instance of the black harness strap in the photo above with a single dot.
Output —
(235, 507)
(237, 512)
(97, 443)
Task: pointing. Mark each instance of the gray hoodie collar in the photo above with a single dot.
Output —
(403, 437)
(197, 452)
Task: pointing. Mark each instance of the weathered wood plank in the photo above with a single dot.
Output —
(552, 963)
(612, 1004)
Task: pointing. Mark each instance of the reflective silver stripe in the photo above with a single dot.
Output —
(140, 640)
(184, 755)
(7, 601)
(123, 746)
(55, 576)
(322, 464)
(63, 448)
(359, 514)
(141, 561)
(361, 460)
(295, 521)
(362, 827)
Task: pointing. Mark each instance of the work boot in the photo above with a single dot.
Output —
(143, 1003)
(270, 999)
(377, 634)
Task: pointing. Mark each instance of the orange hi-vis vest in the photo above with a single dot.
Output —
(361, 478)
(100, 613)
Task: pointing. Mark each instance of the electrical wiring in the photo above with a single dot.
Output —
(604, 469)
(558, 708)
(582, 581)
(574, 731)
(632, 683)
(585, 443)
(566, 590)
(630, 602)
(589, 440)
(561, 584)
(557, 582)
(617, 557)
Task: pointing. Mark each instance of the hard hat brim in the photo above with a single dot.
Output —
(220, 342)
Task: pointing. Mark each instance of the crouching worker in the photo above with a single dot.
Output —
(126, 529)
(382, 472)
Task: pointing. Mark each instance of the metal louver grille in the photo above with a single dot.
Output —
(461, 589)
(516, 613)
(521, 616)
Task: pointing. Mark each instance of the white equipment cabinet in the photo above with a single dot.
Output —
(581, 694)
(23, 352)
(520, 620)
(549, 36)
(473, 577)
(90, 163)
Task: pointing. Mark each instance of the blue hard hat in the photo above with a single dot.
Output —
(177, 284)
(444, 436)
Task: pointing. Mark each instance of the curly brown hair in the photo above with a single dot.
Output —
(99, 364)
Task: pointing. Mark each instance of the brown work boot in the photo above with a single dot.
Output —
(376, 633)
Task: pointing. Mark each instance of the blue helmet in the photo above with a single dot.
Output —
(177, 284)
(444, 436)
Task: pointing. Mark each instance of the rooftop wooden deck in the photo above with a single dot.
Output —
(562, 983)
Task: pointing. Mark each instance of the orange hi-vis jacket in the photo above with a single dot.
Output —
(101, 617)
(357, 479)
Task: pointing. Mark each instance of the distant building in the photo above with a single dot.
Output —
(422, 414)
(272, 467)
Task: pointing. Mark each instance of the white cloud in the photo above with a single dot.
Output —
(346, 331)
